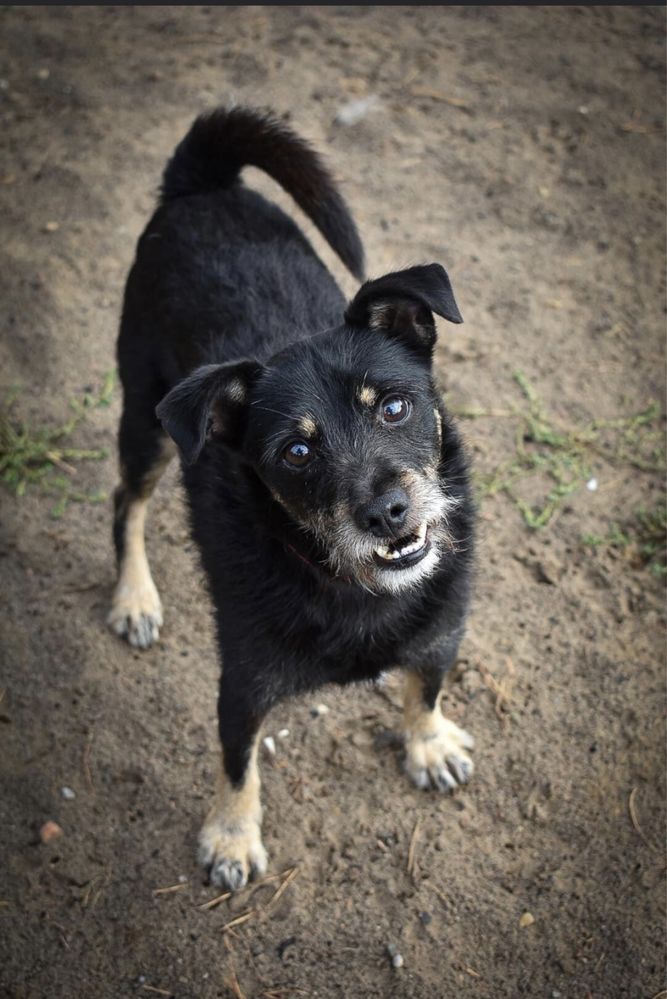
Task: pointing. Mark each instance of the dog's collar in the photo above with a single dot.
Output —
(321, 569)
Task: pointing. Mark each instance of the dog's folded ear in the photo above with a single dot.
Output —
(213, 398)
(402, 305)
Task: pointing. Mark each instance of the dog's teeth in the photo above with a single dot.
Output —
(391, 554)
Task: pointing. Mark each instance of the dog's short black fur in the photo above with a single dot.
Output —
(327, 485)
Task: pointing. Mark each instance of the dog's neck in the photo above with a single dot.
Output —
(298, 542)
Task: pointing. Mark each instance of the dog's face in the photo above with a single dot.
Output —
(344, 430)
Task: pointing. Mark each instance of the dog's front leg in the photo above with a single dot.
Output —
(230, 842)
(435, 747)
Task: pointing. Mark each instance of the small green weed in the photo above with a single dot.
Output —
(566, 456)
(37, 456)
(643, 540)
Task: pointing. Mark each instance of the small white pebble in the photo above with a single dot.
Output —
(583, 109)
(354, 111)
(269, 745)
(67, 793)
(43, 74)
(592, 485)
(182, 879)
(319, 709)
(284, 732)
(397, 961)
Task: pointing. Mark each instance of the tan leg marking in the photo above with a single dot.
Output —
(435, 747)
(136, 611)
(230, 842)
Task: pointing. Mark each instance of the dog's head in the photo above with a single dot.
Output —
(343, 428)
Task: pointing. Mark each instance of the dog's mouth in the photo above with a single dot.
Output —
(404, 551)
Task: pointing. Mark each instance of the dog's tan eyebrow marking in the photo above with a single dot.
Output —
(307, 426)
(366, 395)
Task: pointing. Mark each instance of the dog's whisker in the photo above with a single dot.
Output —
(268, 409)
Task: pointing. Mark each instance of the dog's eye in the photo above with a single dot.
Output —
(297, 454)
(394, 409)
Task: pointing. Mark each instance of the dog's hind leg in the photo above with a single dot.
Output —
(145, 451)
(435, 748)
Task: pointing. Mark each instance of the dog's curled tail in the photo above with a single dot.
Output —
(221, 142)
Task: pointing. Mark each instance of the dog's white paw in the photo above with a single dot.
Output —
(232, 853)
(136, 613)
(436, 756)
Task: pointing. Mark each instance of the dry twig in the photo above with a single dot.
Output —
(441, 895)
(91, 896)
(213, 902)
(412, 848)
(633, 816)
(87, 749)
(639, 128)
(283, 990)
(232, 983)
(501, 688)
(290, 877)
(243, 918)
(170, 888)
(436, 95)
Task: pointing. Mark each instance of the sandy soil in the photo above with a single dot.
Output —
(523, 148)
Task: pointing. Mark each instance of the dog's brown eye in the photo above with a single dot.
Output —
(395, 409)
(297, 454)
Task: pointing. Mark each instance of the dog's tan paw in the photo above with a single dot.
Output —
(436, 756)
(136, 613)
(232, 854)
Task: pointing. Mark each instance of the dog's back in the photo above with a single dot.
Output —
(221, 251)
(220, 144)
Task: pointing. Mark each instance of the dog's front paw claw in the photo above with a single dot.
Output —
(461, 767)
(227, 874)
(232, 858)
(136, 617)
(438, 758)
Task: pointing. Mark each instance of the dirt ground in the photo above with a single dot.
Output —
(524, 149)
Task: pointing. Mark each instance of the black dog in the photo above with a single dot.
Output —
(327, 485)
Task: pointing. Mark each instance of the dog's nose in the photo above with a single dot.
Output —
(385, 515)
